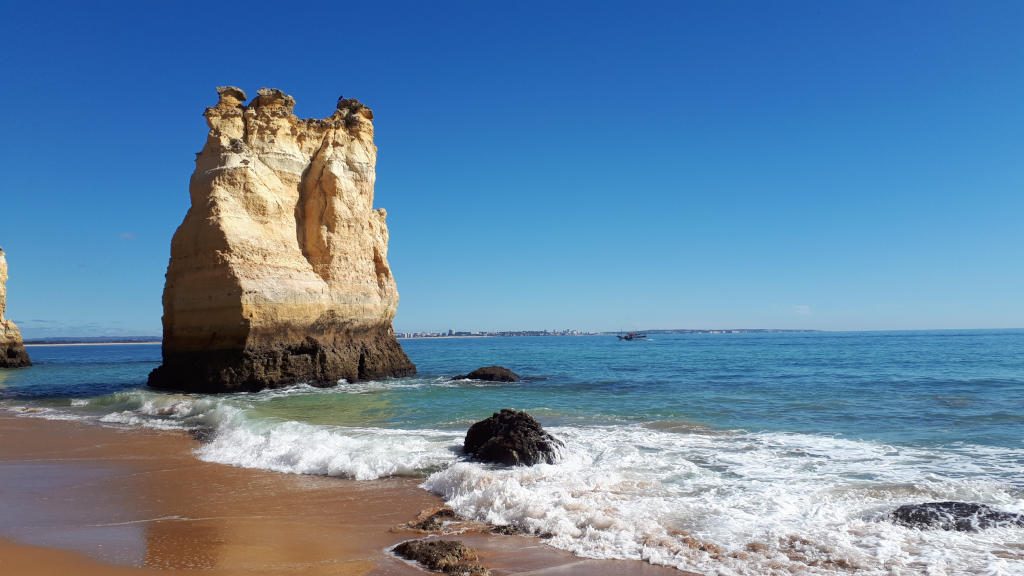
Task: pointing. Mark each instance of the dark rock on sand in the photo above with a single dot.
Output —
(433, 519)
(491, 374)
(512, 438)
(446, 556)
(959, 516)
(513, 530)
(506, 530)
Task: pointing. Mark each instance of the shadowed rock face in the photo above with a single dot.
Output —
(512, 438)
(279, 272)
(12, 349)
(959, 516)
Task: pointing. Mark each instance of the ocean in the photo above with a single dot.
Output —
(776, 453)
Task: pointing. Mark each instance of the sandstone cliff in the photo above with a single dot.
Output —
(279, 272)
(12, 349)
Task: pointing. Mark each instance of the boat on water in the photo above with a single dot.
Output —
(632, 336)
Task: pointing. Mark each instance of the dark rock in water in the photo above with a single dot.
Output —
(513, 530)
(512, 438)
(13, 355)
(507, 530)
(959, 516)
(447, 556)
(491, 374)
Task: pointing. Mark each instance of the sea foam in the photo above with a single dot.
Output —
(299, 448)
(715, 502)
(741, 503)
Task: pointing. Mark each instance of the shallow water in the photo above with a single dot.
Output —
(726, 454)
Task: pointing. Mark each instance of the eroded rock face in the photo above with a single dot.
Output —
(279, 272)
(12, 349)
(958, 516)
(513, 438)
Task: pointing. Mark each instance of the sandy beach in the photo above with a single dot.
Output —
(91, 500)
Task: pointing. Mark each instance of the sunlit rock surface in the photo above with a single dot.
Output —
(279, 272)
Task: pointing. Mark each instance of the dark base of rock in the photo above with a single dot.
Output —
(446, 556)
(958, 516)
(354, 356)
(512, 438)
(491, 374)
(14, 356)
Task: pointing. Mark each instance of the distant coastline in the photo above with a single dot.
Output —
(93, 341)
(484, 334)
(450, 334)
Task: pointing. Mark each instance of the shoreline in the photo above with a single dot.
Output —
(98, 500)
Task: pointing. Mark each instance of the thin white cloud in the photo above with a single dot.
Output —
(802, 309)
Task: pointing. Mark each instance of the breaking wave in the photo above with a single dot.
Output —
(741, 503)
(673, 494)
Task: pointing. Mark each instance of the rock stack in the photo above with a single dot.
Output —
(279, 272)
(12, 348)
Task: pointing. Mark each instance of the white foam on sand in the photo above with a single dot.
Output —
(299, 448)
(714, 502)
(745, 503)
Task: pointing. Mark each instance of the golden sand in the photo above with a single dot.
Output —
(88, 500)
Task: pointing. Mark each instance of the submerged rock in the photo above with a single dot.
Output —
(447, 556)
(279, 272)
(959, 516)
(491, 374)
(12, 348)
(513, 438)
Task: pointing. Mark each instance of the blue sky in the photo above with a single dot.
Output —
(830, 165)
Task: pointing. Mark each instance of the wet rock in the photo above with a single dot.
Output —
(695, 543)
(434, 519)
(958, 516)
(491, 374)
(513, 438)
(506, 530)
(446, 556)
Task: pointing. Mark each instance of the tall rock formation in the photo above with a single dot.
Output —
(279, 273)
(12, 349)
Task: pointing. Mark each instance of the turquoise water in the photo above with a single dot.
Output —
(906, 387)
(799, 443)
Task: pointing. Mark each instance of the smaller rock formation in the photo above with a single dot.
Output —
(958, 516)
(491, 374)
(512, 438)
(433, 519)
(445, 556)
(12, 348)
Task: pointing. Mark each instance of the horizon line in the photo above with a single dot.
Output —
(156, 339)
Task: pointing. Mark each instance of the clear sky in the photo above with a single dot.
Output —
(593, 165)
